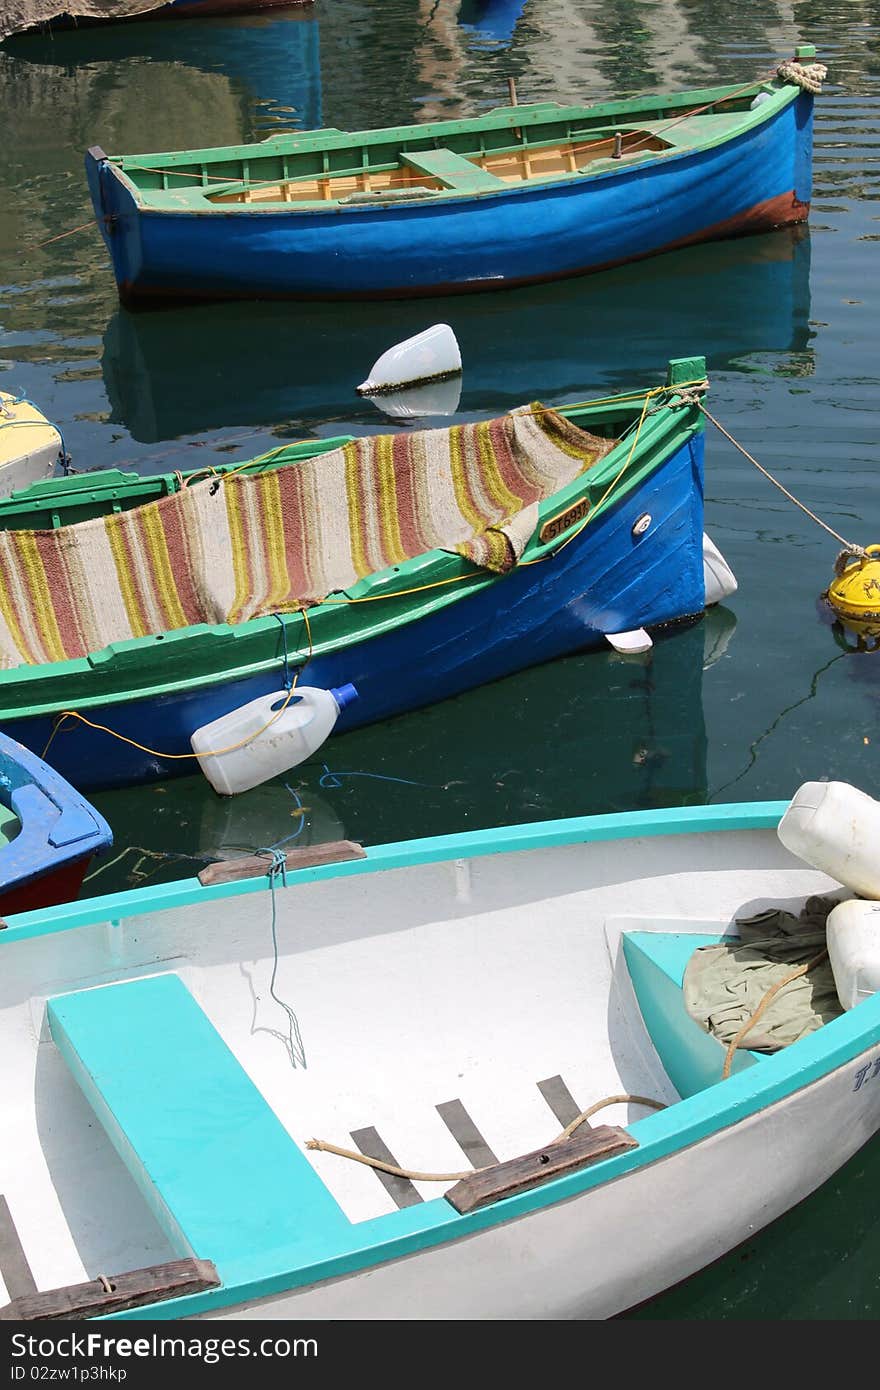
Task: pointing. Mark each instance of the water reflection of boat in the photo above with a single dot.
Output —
(491, 19)
(582, 736)
(586, 734)
(189, 825)
(171, 374)
(274, 56)
(41, 17)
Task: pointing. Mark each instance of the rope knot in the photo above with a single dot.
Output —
(278, 868)
(849, 553)
(808, 76)
(691, 395)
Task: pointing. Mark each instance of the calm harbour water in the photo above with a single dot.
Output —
(746, 705)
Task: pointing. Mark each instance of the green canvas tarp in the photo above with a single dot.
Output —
(725, 983)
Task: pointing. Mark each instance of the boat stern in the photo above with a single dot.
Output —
(118, 217)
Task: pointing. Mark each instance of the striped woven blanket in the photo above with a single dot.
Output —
(277, 540)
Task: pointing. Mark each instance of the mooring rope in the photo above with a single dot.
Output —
(415, 1176)
(849, 547)
(809, 76)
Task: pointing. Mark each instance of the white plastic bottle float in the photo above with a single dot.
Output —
(836, 828)
(718, 577)
(267, 736)
(432, 355)
(852, 934)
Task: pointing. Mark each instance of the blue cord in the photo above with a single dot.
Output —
(293, 1042)
(330, 779)
(288, 678)
(302, 820)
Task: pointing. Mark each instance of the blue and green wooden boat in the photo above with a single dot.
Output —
(619, 547)
(522, 194)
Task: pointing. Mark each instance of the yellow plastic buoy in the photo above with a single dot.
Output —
(854, 593)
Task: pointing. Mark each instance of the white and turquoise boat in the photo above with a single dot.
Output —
(448, 1006)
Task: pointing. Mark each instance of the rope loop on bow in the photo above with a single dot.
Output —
(808, 76)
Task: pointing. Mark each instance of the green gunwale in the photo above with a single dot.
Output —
(166, 182)
(193, 657)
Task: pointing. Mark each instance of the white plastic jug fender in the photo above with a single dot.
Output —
(853, 935)
(638, 640)
(425, 356)
(249, 745)
(718, 577)
(836, 828)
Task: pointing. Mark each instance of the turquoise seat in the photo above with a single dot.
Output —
(656, 963)
(223, 1176)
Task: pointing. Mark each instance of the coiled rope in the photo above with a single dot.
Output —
(809, 76)
(415, 1176)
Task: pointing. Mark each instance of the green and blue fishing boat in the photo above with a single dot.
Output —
(521, 194)
(134, 610)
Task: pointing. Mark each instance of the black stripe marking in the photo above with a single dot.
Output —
(561, 1101)
(466, 1135)
(13, 1261)
(371, 1145)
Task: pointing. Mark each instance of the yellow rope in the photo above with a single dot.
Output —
(176, 757)
(396, 593)
(613, 484)
(771, 994)
(324, 1146)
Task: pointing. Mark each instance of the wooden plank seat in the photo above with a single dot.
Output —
(453, 170)
(221, 1173)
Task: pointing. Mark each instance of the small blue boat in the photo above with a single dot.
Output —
(48, 832)
(519, 195)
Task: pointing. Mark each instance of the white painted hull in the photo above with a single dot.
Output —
(456, 978)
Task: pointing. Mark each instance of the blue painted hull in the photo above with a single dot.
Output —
(605, 580)
(59, 832)
(522, 234)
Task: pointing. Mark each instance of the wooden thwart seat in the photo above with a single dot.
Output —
(223, 1176)
(136, 1288)
(453, 170)
(530, 1170)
